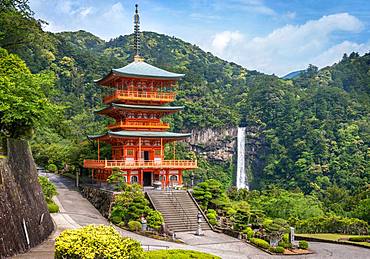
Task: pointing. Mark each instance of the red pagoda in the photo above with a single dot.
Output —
(138, 136)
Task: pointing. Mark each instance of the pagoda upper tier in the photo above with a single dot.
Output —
(140, 83)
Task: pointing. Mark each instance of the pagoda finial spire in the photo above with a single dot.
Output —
(137, 41)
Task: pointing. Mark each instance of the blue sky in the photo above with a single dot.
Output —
(271, 36)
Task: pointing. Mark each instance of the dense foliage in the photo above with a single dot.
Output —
(96, 242)
(130, 205)
(49, 190)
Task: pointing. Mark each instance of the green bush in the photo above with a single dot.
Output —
(154, 219)
(286, 238)
(249, 232)
(177, 254)
(134, 225)
(303, 244)
(285, 244)
(359, 239)
(52, 168)
(278, 249)
(92, 242)
(48, 188)
(260, 243)
(333, 224)
(53, 207)
(212, 217)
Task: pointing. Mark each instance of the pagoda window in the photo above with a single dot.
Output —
(157, 152)
(162, 178)
(134, 179)
(130, 152)
(173, 178)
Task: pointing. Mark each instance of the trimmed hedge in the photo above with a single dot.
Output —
(93, 242)
(178, 254)
(249, 232)
(359, 239)
(333, 224)
(260, 243)
(285, 244)
(134, 225)
(278, 249)
(303, 244)
(53, 207)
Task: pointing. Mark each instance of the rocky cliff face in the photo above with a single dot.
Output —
(215, 145)
(220, 145)
(24, 218)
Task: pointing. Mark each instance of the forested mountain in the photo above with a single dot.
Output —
(313, 129)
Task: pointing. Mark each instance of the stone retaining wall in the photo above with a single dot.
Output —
(101, 199)
(21, 202)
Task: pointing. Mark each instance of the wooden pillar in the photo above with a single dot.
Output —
(129, 176)
(179, 177)
(141, 177)
(98, 150)
(167, 177)
(139, 156)
(162, 149)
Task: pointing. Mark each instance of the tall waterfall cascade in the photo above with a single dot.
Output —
(241, 176)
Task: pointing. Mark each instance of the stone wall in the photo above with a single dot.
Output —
(21, 202)
(101, 199)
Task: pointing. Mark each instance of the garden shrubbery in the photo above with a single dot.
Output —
(133, 225)
(359, 239)
(333, 224)
(303, 244)
(178, 254)
(93, 242)
(130, 205)
(49, 190)
(260, 242)
(278, 249)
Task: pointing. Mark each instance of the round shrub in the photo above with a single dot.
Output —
(52, 168)
(249, 232)
(53, 207)
(134, 225)
(92, 242)
(285, 244)
(260, 243)
(278, 249)
(154, 219)
(212, 217)
(303, 244)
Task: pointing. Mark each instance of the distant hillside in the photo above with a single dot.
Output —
(293, 74)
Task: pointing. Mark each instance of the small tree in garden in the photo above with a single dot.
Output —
(117, 178)
(52, 168)
(276, 228)
(154, 219)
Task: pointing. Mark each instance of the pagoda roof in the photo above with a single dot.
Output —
(141, 134)
(141, 69)
(140, 107)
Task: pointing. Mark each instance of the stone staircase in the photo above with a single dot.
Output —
(178, 209)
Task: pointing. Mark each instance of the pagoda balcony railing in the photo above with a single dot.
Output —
(140, 125)
(137, 164)
(126, 95)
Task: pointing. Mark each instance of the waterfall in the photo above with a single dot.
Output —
(241, 177)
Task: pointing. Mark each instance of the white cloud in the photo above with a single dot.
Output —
(226, 39)
(290, 47)
(85, 11)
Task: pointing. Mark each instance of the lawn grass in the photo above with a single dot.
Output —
(178, 254)
(333, 237)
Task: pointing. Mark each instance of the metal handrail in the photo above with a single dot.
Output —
(187, 220)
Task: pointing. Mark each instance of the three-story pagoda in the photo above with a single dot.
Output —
(139, 100)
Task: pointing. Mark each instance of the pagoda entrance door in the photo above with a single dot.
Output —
(147, 178)
(146, 155)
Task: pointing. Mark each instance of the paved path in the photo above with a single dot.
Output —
(76, 211)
